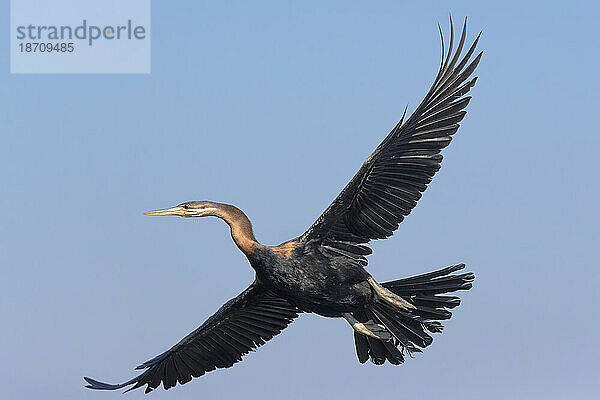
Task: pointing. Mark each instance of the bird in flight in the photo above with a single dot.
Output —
(322, 271)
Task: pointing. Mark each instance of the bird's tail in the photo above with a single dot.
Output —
(410, 328)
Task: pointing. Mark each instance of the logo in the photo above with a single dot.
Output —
(82, 32)
(69, 36)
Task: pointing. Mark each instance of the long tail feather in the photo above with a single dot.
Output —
(411, 328)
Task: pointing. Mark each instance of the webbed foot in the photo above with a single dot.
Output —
(369, 328)
(389, 297)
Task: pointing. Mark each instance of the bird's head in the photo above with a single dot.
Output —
(189, 209)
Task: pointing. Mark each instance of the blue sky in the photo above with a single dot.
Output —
(273, 106)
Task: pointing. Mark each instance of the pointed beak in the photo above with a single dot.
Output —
(178, 210)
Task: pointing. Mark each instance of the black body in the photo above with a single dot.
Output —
(314, 282)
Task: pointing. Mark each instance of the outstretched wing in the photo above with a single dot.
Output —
(391, 181)
(240, 325)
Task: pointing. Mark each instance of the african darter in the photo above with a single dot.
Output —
(322, 271)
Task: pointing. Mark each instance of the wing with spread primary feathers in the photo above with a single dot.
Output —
(391, 181)
(241, 325)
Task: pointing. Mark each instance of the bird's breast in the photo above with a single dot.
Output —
(324, 286)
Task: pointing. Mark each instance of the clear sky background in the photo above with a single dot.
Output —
(273, 106)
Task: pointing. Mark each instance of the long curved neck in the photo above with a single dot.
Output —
(241, 227)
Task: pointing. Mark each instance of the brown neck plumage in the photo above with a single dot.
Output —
(241, 227)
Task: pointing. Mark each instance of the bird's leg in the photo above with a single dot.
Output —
(368, 328)
(389, 297)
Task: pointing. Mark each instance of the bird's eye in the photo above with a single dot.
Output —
(186, 206)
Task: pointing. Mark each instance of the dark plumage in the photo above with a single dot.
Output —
(322, 271)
